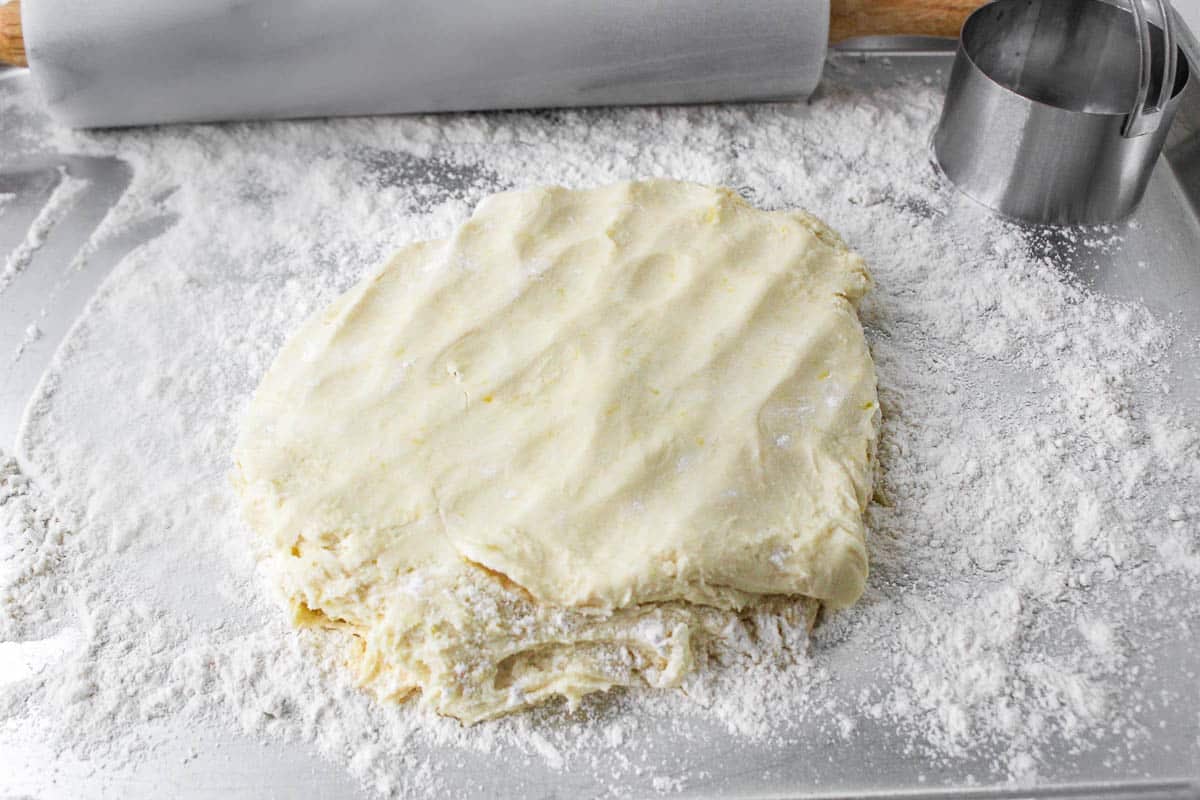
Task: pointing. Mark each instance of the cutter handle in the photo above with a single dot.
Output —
(851, 18)
(12, 43)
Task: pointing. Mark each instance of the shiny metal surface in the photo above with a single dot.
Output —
(64, 282)
(1037, 123)
(1142, 119)
(209, 762)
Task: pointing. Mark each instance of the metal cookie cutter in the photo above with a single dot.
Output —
(1057, 109)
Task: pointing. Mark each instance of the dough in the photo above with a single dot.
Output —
(568, 447)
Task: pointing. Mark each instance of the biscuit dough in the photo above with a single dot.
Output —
(567, 447)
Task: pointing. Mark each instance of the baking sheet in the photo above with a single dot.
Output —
(51, 296)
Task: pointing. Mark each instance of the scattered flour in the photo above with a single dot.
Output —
(1034, 540)
(32, 334)
(61, 200)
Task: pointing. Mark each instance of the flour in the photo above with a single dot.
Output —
(60, 202)
(32, 334)
(1036, 518)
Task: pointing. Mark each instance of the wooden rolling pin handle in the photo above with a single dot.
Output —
(847, 19)
(12, 43)
(851, 18)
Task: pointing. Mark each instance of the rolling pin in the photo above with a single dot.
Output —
(132, 62)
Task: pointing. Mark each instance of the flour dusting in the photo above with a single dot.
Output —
(66, 192)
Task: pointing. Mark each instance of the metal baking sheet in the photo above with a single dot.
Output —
(51, 296)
